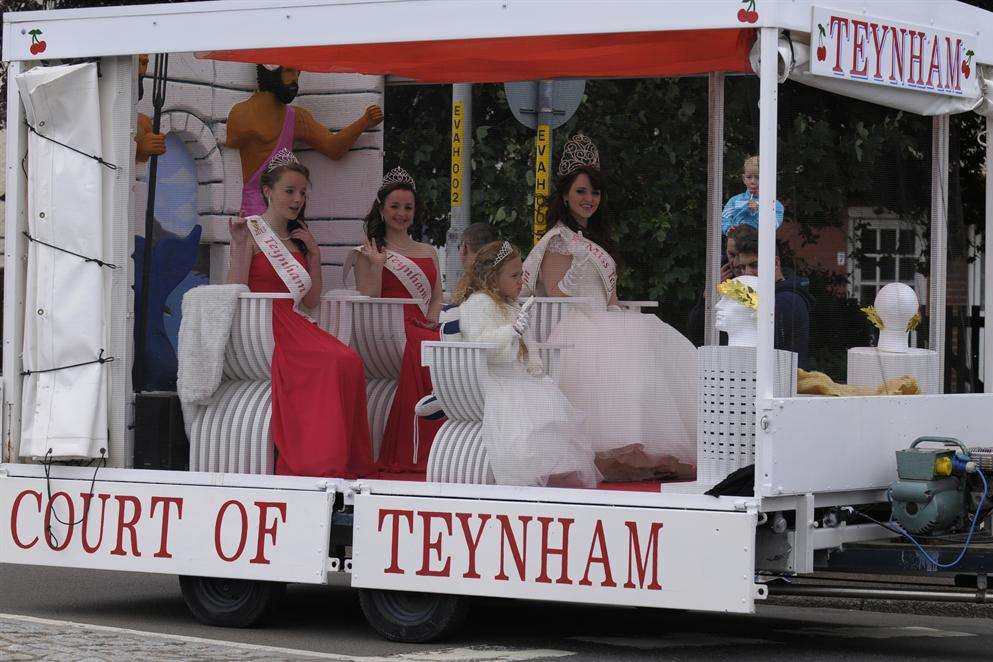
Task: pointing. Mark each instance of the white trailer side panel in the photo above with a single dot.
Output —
(651, 557)
(239, 532)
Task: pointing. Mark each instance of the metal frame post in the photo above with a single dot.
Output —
(988, 264)
(15, 266)
(768, 109)
(937, 285)
(461, 182)
(715, 181)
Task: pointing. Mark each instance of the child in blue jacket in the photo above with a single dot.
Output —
(743, 209)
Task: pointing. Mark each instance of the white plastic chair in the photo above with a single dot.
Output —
(231, 434)
(460, 376)
(378, 336)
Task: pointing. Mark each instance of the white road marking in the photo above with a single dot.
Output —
(471, 654)
(881, 632)
(681, 640)
(482, 653)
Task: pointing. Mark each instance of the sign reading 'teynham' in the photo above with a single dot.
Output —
(891, 53)
(579, 553)
(276, 535)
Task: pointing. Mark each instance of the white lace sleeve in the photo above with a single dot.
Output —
(481, 320)
(557, 244)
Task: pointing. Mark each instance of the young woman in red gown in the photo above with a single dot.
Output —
(319, 424)
(392, 264)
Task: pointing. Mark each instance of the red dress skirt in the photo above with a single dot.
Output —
(319, 424)
(398, 452)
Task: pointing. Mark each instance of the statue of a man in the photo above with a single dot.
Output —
(261, 125)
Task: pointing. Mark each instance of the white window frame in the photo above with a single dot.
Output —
(878, 221)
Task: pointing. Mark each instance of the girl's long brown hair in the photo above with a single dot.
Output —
(268, 180)
(482, 272)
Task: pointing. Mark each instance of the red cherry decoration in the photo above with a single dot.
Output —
(821, 53)
(41, 46)
(966, 69)
(743, 16)
(753, 16)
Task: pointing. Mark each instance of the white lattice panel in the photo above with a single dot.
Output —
(726, 407)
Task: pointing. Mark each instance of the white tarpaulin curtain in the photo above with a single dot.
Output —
(64, 408)
(795, 63)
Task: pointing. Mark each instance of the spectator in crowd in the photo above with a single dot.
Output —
(793, 301)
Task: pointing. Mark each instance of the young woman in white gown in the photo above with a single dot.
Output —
(532, 434)
(633, 375)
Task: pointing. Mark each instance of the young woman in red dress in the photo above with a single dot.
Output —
(392, 264)
(319, 424)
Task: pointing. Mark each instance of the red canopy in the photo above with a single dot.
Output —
(621, 55)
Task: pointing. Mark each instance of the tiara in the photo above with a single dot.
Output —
(740, 293)
(397, 176)
(579, 151)
(281, 158)
(505, 250)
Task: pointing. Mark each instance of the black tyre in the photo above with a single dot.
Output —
(230, 603)
(413, 618)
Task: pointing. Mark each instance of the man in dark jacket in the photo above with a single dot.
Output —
(793, 301)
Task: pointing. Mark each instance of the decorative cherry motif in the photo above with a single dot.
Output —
(37, 45)
(966, 63)
(747, 14)
(821, 48)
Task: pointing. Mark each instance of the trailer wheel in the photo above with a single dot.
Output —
(413, 618)
(230, 603)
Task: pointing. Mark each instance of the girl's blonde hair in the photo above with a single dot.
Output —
(483, 271)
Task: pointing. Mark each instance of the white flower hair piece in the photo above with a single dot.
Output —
(578, 151)
(505, 250)
(397, 176)
(281, 158)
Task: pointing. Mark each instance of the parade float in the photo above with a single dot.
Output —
(418, 547)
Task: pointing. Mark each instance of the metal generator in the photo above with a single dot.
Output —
(940, 486)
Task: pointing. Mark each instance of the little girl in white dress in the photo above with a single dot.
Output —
(531, 432)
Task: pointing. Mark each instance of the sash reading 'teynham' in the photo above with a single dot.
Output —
(411, 276)
(290, 271)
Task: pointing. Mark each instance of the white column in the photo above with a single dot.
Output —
(768, 107)
(715, 179)
(938, 282)
(988, 265)
(462, 214)
(15, 264)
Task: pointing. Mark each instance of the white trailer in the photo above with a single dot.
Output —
(417, 550)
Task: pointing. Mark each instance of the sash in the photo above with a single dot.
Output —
(411, 276)
(601, 259)
(292, 273)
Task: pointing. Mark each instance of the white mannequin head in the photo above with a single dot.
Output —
(736, 319)
(895, 305)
